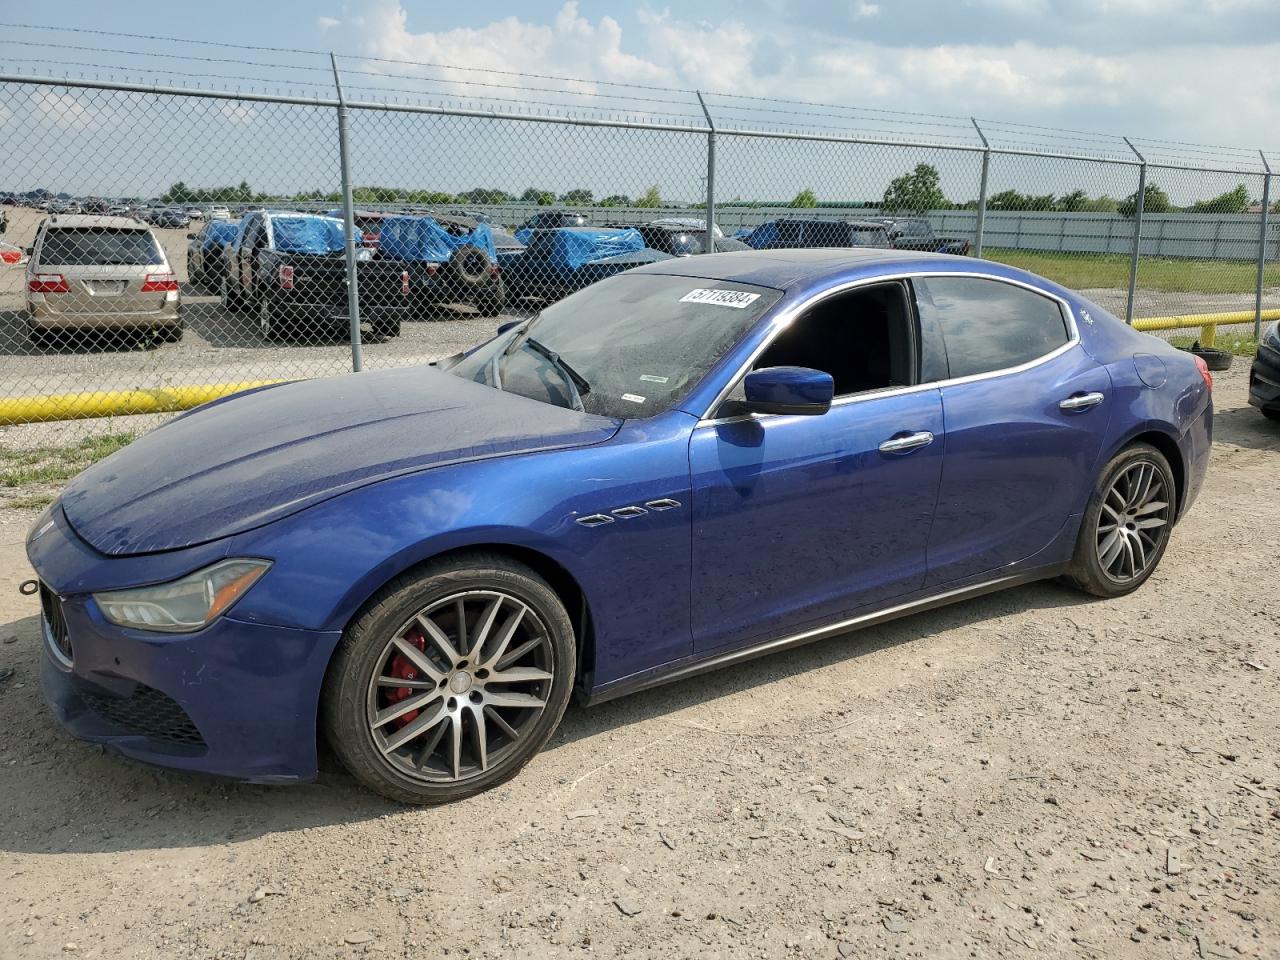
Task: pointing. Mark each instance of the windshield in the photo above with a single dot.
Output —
(67, 246)
(638, 342)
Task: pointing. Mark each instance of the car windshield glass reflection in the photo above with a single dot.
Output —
(637, 343)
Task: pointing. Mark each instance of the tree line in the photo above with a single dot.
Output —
(916, 191)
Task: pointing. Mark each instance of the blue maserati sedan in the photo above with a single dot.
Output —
(675, 469)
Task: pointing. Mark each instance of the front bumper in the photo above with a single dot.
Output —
(236, 699)
(1264, 378)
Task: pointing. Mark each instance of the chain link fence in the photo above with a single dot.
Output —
(164, 246)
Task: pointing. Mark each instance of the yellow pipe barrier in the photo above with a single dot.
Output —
(123, 403)
(116, 403)
(1207, 322)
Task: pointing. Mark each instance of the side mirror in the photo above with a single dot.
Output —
(507, 325)
(788, 390)
(29, 251)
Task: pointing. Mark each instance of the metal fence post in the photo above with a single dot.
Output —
(711, 174)
(1139, 204)
(348, 214)
(1262, 247)
(982, 190)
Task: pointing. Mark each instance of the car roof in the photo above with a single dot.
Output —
(94, 221)
(809, 268)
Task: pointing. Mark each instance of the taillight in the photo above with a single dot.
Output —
(493, 269)
(286, 277)
(1204, 371)
(433, 269)
(369, 240)
(404, 281)
(48, 283)
(160, 283)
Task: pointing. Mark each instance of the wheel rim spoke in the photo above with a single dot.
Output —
(416, 727)
(1133, 521)
(518, 675)
(459, 687)
(407, 705)
(439, 638)
(418, 658)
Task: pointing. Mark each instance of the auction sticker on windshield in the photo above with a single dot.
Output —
(721, 298)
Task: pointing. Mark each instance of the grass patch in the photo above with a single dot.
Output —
(1242, 346)
(1085, 270)
(44, 466)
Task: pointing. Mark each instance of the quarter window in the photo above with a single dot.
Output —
(987, 325)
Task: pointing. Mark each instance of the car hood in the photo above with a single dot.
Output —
(258, 456)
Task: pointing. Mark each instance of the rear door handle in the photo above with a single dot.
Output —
(905, 443)
(1081, 401)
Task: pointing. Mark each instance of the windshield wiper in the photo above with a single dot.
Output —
(571, 376)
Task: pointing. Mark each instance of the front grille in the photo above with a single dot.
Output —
(147, 712)
(59, 639)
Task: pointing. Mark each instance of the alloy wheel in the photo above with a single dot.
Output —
(460, 686)
(1133, 521)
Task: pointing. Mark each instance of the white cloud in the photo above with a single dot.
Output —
(1189, 92)
(64, 109)
(328, 23)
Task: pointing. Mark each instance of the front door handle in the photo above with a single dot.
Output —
(1081, 401)
(908, 442)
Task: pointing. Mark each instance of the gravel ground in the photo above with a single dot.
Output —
(1033, 773)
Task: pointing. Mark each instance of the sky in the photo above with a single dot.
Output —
(1194, 71)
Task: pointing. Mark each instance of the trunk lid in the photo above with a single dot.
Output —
(247, 460)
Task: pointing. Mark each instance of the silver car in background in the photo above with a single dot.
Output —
(101, 272)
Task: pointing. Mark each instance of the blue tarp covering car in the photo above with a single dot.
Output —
(424, 239)
(558, 261)
(307, 233)
(220, 233)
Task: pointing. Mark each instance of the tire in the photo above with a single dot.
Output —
(231, 301)
(1125, 495)
(170, 332)
(468, 268)
(492, 302)
(425, 767)
(1214, 359)
(385, 328)
(268, 322)
(1272, 415)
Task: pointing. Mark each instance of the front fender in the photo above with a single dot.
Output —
(634, 570)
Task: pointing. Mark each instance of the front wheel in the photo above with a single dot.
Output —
(1126, 525)
(451, 680)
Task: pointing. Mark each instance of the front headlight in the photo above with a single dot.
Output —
(186, 605)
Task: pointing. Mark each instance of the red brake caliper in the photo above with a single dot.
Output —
(403, 669)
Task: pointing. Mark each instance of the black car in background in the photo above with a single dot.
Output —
(205, 261)
(1264, 375)
(916, 233)
(679, 240)
(552, 219)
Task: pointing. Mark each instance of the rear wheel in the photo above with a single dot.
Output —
(170, 332)
(230, 299)
(268, 322)
(1271, 414)
(451, 680)
(492, 300)
(1126, 525)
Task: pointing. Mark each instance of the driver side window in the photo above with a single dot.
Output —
(864, 338)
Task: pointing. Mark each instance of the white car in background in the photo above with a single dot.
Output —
(219, 213)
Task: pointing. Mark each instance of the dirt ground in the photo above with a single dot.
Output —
(1034, 773)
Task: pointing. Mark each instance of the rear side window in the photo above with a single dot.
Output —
(987, 325)
(77, 246)
(790, 231)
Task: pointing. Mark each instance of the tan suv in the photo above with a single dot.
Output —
(94, 272)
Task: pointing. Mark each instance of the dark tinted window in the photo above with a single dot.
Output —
(789, 231)
(914, 228)
(73, 246)
(988, 325)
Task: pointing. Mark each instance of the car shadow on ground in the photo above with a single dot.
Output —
(1246, 427)
(137, 807)
(17, 341)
